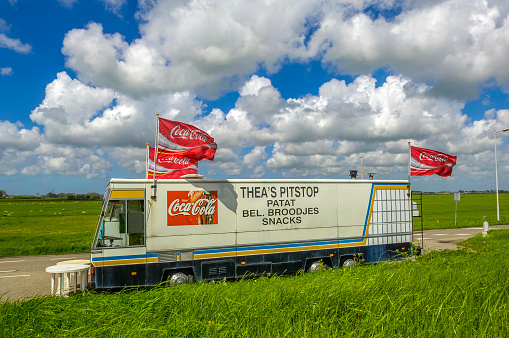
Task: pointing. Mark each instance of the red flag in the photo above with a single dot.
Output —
(170, 165)
(428, 162)
(185, 140)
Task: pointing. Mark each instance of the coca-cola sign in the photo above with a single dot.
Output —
(425, 162)
(188, 134)
(191, 207)
(433, 157)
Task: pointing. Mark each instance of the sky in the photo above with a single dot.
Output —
(289, 89)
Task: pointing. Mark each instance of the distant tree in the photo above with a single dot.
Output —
(3, 194)
(93, 195)
(51, 195)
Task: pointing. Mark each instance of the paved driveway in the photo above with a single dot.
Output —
(442, 239)
(25, 276)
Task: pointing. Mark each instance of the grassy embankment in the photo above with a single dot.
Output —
(39, 227)
(441, 294)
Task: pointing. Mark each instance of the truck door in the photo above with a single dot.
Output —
(119, 253)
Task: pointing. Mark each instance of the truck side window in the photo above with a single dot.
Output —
(123, 224)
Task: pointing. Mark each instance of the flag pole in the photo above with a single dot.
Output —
(155, 158)
(409, 157)
(147, 156)
(362, 171)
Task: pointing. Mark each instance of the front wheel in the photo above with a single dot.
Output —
(178, 278)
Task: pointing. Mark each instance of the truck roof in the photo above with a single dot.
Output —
(240, 180)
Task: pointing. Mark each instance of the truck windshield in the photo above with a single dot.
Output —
(123, 224)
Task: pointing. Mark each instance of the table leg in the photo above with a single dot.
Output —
(84, 279)
(52, 283)
(75, 281)
(60, 283)
(68, 280)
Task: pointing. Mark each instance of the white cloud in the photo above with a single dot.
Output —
(202, 46)
(67, 3)
(6, 71)
(114, 5)
(210, 47)
(14, 136)
(457, 44)
(33, 170)
(254, 157)
(14, 44)
(76, 114)
(10, 43)
(440, 52)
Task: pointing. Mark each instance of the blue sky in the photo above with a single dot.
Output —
(289, 89)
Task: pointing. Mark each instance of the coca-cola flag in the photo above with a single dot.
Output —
(428, 162)
(170, 165)
(185, 140)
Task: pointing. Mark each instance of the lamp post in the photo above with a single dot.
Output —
(496, 168)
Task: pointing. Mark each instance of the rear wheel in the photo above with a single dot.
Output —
(348, 263)
(317, 266)
(178, 278)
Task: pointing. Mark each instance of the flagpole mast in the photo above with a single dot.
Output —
(362, 171)
(496, 170)
(409, 156)
(147, 155)
(155, 158)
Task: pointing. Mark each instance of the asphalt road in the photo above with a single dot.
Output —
(442, 239)
(25, 276)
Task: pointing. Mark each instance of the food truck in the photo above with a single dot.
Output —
(182, 230)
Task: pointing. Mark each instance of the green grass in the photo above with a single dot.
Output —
(35, 227)
(41, 226)
(439, 211)
(441, 294)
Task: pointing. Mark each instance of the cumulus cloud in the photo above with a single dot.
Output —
(201, 46)
(211, 46)
(456, 44)
(439, 52)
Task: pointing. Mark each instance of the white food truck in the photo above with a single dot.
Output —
(199, 229)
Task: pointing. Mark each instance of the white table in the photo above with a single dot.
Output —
(57, 277)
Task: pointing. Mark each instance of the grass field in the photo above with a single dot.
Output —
(441, 294)
(36, 227)
(439, 211)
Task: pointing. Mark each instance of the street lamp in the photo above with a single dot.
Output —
(496, 169)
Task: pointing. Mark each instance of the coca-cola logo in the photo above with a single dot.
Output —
(435, 158)
(176, 160)
(188, 134)
(198, 207)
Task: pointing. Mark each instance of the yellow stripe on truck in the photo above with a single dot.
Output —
(117, 194)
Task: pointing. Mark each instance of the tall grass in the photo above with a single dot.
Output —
(442, 294)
